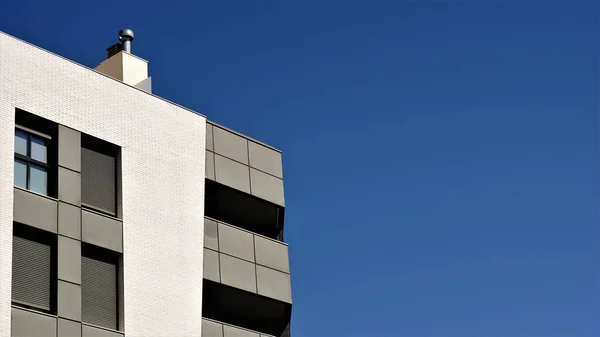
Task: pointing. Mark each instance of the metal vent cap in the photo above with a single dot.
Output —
(126, 35)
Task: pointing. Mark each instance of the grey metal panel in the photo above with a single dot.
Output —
(210, 165)
(274, 284)
(69, 186)
(69, 148)
(232, 174)
(236, 242)
(211, 239)
(265, 159)
(267, 187)
(69, 220)
(211, 265)
(69, 259)
(69, 300)
(209, 137)
(99, 292)
(45, 214)
(98, 180)
(217, 125)
(102, 231)
(230, 331)
(230, 145)
(30, 324)
(31, 273)
(271, 254)
(238, 273)
(89, 331)
(211, 329)
(145, 85)
(67, 328)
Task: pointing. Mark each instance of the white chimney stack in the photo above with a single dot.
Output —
(124, 66)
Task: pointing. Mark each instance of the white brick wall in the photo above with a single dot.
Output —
(163, 154)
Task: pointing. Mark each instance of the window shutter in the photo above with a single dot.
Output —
(31, 275)
(98, 184)
(99, 292)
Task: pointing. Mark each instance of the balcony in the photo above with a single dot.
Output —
(243, 210)
(247, 261)
(212, 328)
(248, 175)
(246, 279)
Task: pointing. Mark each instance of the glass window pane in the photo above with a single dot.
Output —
(38, 149)
(20, 173)
(38, 181)
(21, 142)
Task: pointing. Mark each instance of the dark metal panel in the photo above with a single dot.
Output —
(211, 329)
(69, 220)
(69, 186)
(69, 300)
(67, 328)
(101, 230)
(69, 148)
(26, 323)
(44, 214)
(69, 260)
(89, 331)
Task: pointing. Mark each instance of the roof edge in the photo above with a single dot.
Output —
(99, 73)
(243, 135)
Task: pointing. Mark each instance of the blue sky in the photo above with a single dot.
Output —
(440, 157)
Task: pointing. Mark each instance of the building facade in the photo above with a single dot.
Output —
(124, 214)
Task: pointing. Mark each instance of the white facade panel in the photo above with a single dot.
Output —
(163, 170)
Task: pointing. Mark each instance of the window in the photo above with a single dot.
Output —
(99, 286)
(34, 261)
(31, 161)
(99, 175)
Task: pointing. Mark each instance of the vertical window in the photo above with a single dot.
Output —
(99, 287)
(33, 279)
(31, 161)
(99, 175)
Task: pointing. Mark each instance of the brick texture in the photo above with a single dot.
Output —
(163, 168)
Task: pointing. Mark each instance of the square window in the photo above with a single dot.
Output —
(31, 161)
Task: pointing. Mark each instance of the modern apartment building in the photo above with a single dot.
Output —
(124, 214)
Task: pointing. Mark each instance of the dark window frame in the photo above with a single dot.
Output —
(47, 238)
(30, 161)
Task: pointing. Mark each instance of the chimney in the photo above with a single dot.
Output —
(122, 65)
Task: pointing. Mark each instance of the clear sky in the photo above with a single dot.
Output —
(440, 157)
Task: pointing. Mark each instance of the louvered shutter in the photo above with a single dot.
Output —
(99, 292)
(31, 275)
(98, 180)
